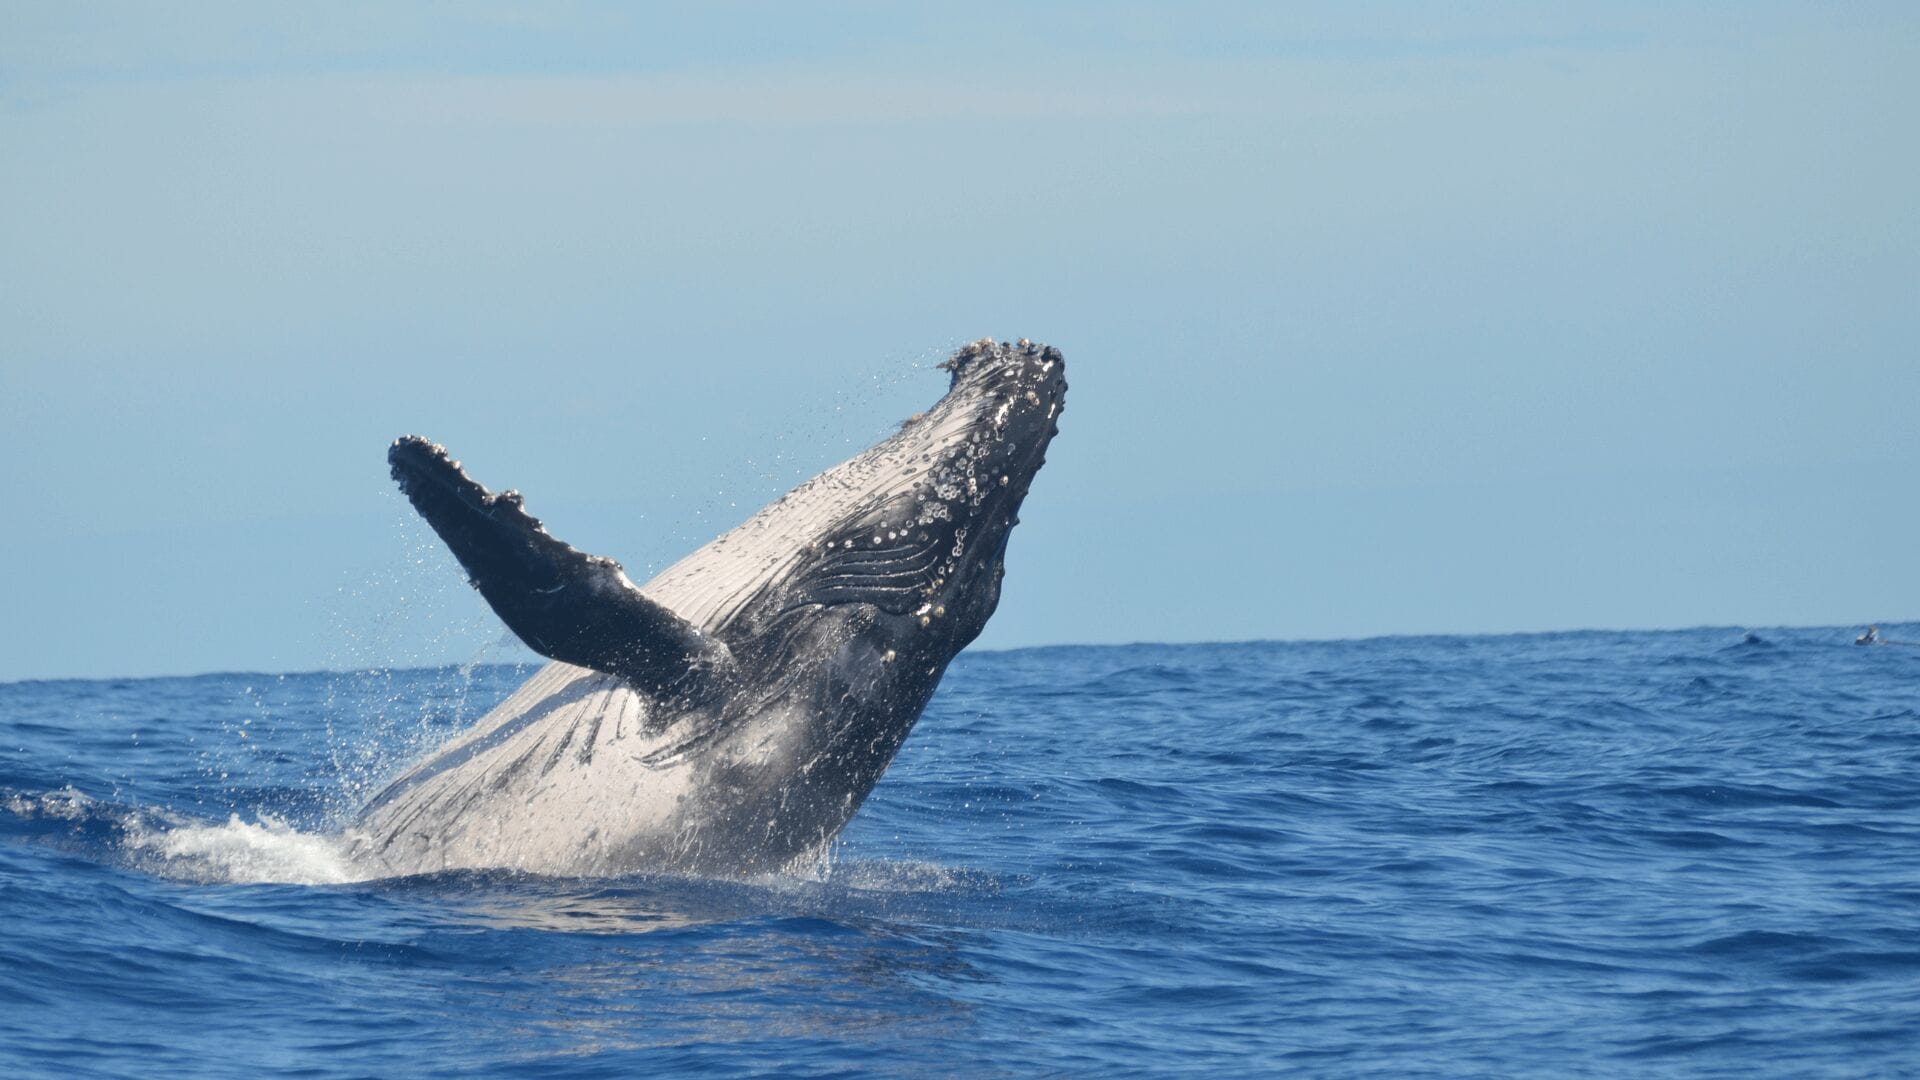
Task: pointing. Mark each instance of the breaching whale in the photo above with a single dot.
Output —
(730, 715)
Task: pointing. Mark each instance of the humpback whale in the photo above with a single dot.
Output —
(730, 715)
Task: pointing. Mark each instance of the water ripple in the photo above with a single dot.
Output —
(1572, 854)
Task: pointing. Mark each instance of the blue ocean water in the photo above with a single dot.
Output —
(1592, 854)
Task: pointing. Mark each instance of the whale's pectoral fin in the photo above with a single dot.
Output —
(564, 603)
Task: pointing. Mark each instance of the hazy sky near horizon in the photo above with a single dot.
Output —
(1391, 318)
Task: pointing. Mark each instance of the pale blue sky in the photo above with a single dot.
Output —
(1416, 318)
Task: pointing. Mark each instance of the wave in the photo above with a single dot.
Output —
(171, 845)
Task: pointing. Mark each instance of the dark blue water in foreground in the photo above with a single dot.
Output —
(1600, 854)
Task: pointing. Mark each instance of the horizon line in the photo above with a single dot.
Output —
(542, 661)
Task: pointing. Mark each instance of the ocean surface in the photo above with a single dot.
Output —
(1692, 853)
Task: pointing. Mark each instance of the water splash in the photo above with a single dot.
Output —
(267, 851)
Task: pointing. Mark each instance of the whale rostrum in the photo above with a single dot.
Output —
(730, 715)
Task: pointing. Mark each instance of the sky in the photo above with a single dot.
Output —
(1379, 319)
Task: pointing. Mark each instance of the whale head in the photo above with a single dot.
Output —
(902, 548)
(981, 447)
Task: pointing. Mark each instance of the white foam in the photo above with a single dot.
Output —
(66, 804)
(239, 852)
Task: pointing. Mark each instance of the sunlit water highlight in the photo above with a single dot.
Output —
(1602, 854)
